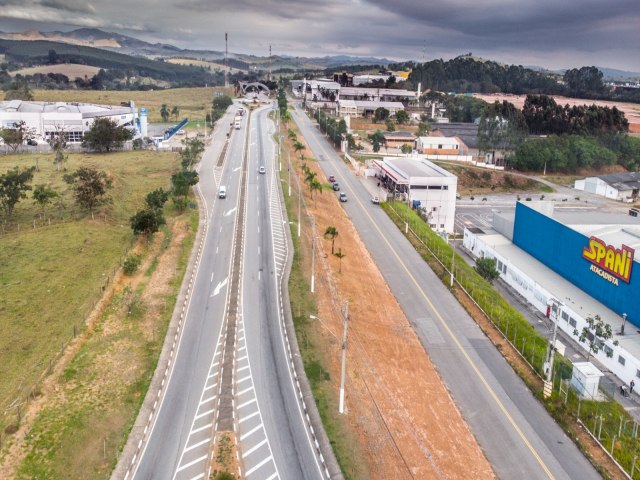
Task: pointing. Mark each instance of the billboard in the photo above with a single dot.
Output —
(605, 272)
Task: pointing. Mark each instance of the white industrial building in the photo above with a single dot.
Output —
(555, 296)
(365, 108)
(422, 181)
(45, 118)
(617, 186)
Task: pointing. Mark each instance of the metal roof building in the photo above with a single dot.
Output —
(74, 118)
(617, 186)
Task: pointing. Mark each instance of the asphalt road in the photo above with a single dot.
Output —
(516, 434)
(163, 455)
(288, 447)
(273, 439)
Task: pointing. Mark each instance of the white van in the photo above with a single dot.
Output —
(222, 192)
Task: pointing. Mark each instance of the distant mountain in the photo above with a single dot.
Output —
(115, 42)
(621, 75)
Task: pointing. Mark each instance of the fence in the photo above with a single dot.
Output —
(604, 418)
(15, 406)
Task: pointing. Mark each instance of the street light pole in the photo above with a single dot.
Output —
(289, 157)
(299, 217)
(344, 359)
(453, 259)
(313, 260)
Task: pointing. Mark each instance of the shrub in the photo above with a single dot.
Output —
(131, 264)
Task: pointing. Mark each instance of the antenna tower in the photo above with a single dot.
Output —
(269, 76)
(226, 61)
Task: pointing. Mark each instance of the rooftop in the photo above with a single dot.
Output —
(87, 110)
(467, 132)
(399, 134)
(572, 297)
(389, 92)
(370, 104)
(405, 168)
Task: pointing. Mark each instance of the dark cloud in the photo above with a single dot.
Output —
(78, 6)
(548, 33)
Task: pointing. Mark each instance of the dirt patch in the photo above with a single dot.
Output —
(224, 455)
(401, 413)
(477, 181)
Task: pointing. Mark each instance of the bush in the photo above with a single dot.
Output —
(131, 264)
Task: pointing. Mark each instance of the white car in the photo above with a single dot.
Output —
(262, 169)
(375, 200)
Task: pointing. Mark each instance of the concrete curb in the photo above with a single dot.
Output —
(142, 426)
(322, 443)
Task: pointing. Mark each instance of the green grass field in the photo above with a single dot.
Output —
(52, 275)
(192, 102)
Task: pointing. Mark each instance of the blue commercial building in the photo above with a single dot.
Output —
(598, 259)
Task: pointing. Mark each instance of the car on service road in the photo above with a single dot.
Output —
(343, 197)
(375, 200)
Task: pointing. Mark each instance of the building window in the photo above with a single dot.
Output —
(504, 269)
(638, 373)
(621, 360)
(565, 316)
(608, 350)
(442, 225)
(434, 209)
(499, 266)
(572, 322)
(440, 147)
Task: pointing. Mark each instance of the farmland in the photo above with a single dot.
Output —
(71, 70)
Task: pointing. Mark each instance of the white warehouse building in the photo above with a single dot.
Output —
(425, 182)
(45, 118)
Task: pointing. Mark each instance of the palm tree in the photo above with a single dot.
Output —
(310, 177)
(298, 147)
(175, 112)
(315, 185)
(340, 255)
(332, 233)
(164, 112)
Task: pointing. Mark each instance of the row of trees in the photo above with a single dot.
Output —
(567, 153)
(545, 117)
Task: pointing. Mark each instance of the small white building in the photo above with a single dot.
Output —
(585, 378)
(44, 118)
(616, 186)
(420, 180)
(437, 145)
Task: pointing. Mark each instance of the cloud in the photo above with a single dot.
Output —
(79, 6)
(549, 33)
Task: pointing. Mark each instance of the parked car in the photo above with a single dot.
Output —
(375, 200)
(332, 178)
(262, 169)
(343, 197)
(32, 143)
(336, 186)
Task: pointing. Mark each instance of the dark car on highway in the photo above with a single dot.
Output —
(336, 186)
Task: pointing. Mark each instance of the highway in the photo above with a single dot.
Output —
(516, 434)
(229, 369)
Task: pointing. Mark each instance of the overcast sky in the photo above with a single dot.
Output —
(547, 33)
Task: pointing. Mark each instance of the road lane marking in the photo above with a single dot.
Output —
(251, 415)
(253, 449)
(199, 444)
(219, 287)
(248, 402)
(190, 464)
(250, 432)
(454, 339)
(204, 414)
(251, 470)
(208, 425)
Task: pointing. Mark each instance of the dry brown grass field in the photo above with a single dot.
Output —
(71, 70)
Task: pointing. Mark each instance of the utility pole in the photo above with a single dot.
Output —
(548, 366)
(299, 209)
(344, 355)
